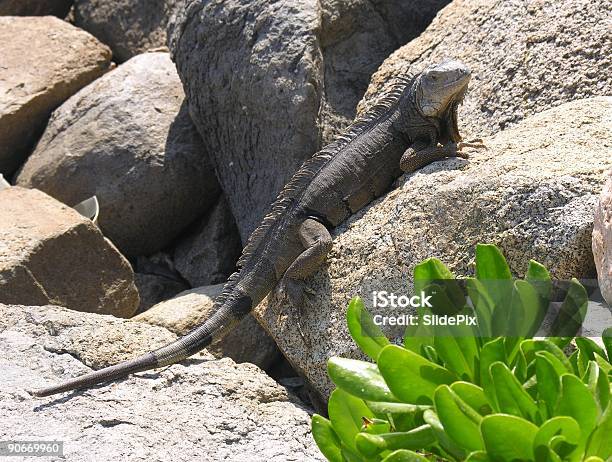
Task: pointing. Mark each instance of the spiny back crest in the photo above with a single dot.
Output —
(303, 177)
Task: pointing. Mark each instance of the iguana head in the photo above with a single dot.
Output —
(439, 91)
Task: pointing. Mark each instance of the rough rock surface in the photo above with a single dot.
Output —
(525, 56)
(208, 253)
(58, 8)
(248, 342)
(157, 279)
(44, 61)
(51, 254)
(602, 240)
(128, 139)
(129, 27)
(532, 193)
(202, 409)
(269, 82)
(155, 288)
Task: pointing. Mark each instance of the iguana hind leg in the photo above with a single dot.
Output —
(317, 243)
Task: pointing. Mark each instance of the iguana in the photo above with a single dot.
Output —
(412, 126)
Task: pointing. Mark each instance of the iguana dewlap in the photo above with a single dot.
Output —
(413, 126)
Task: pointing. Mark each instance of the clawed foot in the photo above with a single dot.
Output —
(295, 293)
(457, 149)
(475, 143)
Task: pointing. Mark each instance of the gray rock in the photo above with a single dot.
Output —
(247, 342)
(44, 61)
(203, 409)
(157, 279)
(155, 288)
(58, 8)
(602, 240)
(128, 139)
(525, 57)
(208, 254)
(532, 193)
(129, 27)
(269, 82)
(51, 254)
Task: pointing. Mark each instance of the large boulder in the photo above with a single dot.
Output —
(58, 8)
(270, 82)
(532, 192)
(51, 254)
(208, 253)
(247, 342)
(155, 288)
(44, 61)
(129, 27)
(602, 241)
(157, 279)
(128, 139)
(525, 57)
(203, 409)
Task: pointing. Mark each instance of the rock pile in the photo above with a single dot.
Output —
(186, 146)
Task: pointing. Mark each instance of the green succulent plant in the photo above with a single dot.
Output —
(457, 394)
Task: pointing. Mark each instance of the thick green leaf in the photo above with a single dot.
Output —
(572, 312)
(491, 352)
(380, 407)
(539, 277)
(346, 413)
(548, 378)
(452, 448)
(599, 385)
(603, 364)
(478, 456)
(511, 397)
(410, 377)
(548, 436)
(530, 309)
(577, 402)
(508, 438)
(494, 274)
(490, 263)
(483, 305)
(349, 455)
(473, 396)
(326, 439)
(370, 445)
(360, 379)
(459, 420)
(587, 349)
(367, 335)
(600, 442)
(433, 270)
(530, 347)
(460, 355)
(403, 455)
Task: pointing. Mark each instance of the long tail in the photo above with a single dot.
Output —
(226, 317)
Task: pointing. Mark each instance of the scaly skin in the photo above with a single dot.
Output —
(412, 127)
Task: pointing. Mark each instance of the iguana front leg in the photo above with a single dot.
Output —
(421, 154)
